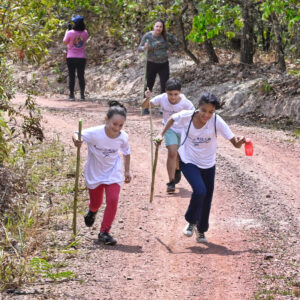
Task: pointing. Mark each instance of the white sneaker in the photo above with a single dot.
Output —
(189, 229)
(200, 238)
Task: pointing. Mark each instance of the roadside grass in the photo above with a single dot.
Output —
(277, 285)
(35, 233)
(268, 294)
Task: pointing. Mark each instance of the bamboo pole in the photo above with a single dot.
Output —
(151, 133)
(153, 172)
(76, 181)
(145, 76)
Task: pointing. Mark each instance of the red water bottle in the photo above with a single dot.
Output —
(248, 147)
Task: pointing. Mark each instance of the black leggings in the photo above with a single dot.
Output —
(79, 65)
(162, 70)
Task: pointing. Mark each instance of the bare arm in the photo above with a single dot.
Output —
(167, 126)
(146, 101)
(237, 141)
(65, 40)
(126, 168)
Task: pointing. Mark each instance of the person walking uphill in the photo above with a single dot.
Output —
(103, 169)
(170, 102)
(197, 158)
(76, 56)
(157, 42)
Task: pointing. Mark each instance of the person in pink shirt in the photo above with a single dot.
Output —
(76, 56)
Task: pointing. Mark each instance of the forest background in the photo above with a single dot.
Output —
(31, 29)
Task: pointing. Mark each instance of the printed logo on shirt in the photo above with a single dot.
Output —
(168, 113)
(78, 42)
(200, 140)
(106, 152)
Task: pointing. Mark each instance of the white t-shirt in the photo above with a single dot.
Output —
(104, 164)
(201, 144)
(169, 109)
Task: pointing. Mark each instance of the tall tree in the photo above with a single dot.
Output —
(208, 46)
(247, 41)
(284, 16)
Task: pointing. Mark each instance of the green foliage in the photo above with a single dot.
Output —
(271, 293)
(10, 125)
(214, 19)
(5, 134)
(26, 28)
(296, 133)
(24, 33)
(50, 270)
(21, 236)
(295, 71)
(13, 270)
(287, 13)
(11, 128)
(267, 87)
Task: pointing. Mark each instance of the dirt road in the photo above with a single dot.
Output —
(254, 226)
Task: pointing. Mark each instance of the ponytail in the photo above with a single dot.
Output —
(116, 107)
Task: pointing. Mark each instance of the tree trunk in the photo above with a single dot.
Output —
(265, 36)
(209, 48)
(184, 41)
(267, 43)
(278, 44)
(247, 44)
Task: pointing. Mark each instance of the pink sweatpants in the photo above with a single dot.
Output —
(112, 192)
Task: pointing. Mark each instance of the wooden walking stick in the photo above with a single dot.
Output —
(153, 171)
(76, 180)
(145, 76)
(151, 133)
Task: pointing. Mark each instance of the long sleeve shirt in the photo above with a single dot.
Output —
(158, 46)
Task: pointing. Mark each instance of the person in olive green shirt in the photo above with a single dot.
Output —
(157, 42)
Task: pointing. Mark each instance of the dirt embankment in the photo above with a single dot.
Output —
(258, 91)
(254, 227)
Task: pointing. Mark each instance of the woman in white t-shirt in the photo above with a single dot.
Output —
(170, 102)
(197, 154)
(103, 169)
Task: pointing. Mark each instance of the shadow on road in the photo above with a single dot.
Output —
(118, 247)
(207, 248)
(211, 248)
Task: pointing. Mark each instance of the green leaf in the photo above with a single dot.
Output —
(230, 34)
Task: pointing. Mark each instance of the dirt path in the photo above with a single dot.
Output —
(255, 205)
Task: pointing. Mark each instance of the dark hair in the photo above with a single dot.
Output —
(173, 84)
(209, 99)
(116, 107)
(164, 31)
(79, 26)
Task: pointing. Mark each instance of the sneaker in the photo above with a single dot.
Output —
(106, 238)
(177, 176)
(145, 111)
(201, 238)
(171, 187)
(89, 218)
(71, 97)
(189, 229)
(82, 97)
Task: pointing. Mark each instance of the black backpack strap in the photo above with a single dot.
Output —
(216, 124)
(188, 130)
